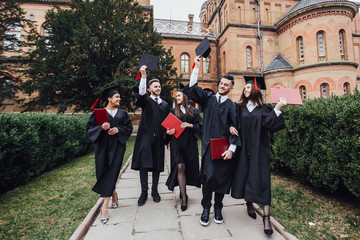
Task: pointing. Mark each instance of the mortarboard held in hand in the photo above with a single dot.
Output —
(150, 61)
(259, 82)
(203, 49)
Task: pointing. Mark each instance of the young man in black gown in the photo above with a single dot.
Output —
(149, 146)
(219, 113)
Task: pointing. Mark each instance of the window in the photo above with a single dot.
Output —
(248, 57)
(12, 37)
(302, 91)
(184, 63)
(321, 45)
(346, 88)
(324, 90)
(206, 65)
(300, 48)
(342, 44)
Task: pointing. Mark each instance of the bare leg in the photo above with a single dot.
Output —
(104, 211)
(182, 183)
(115, 198)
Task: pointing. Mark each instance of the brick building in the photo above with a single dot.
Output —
(310, 45)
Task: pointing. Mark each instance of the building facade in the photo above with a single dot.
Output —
(310, 45)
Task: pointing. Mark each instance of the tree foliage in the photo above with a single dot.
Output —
(12, 17)
(91, 46)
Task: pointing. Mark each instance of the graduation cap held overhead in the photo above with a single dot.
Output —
(259, 82)
(204, 48)
(150, 61)
(106, 93)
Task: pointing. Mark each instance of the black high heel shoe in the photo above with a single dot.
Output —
(184, 207)
(251, 210)
(268, 232)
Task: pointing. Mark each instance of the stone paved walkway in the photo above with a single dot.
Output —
(166, 221)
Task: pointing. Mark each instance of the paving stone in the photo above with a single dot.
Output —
(128, 182)
(133, 192)
(108, 231)
(130, 174)
(193, 230)
(119, 215)
(158, 235)
(255, 232)
(236, 216)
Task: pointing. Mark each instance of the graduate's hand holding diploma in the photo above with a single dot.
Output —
(113, 131)
(105, 126)
(281, 103)
(227, 155)
(186, 124)
(170, 131)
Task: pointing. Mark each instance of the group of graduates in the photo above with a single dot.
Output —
(243, 170)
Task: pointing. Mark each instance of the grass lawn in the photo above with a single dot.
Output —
(296, 206)
(53, 205)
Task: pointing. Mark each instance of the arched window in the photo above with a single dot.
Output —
(184, 63)
(206, 65)
(342, 44)
(302, 91)
(324, 90)
(300, 49)
(346, 88)
(248, 57)
(12, 37)
(320, 36)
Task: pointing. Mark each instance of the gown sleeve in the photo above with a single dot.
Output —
(140, 100)
(125, 128)
(197, 94)
(197, 124)
(270, 121)
(92, 129)
(234, 119)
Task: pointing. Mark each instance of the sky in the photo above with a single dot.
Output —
(177, 9)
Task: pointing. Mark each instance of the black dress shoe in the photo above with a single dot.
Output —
(143, 197)
(184, 207)
(251, 210)
(268, 229)
(204, 219)
(218, 218)
(155, 195)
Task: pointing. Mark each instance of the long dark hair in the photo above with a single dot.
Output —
(255, 97)
(189, 111)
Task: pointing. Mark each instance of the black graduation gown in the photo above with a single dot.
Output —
(185, 150)
(149, 146)
(217, 118)
(109, 150)
(251, 178)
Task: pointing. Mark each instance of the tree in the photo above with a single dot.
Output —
(91, 46)
(12, 23)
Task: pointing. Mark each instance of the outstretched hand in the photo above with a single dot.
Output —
(281, 103)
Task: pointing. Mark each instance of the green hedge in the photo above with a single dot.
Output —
(321, 143)
(32, 143)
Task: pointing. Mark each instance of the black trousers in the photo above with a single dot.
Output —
(144, 179)
(207, 196)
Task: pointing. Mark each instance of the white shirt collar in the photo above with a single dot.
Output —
(153, 97)
(222, 99)
(182, 109)
(251, 106)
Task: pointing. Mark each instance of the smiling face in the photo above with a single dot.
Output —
(155, 89)
(247, 90)
(225, 85)
(114, 100)
(179, 98)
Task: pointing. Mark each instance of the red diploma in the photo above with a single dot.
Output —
(171, 122)
(292, 95)
(101, 116)
(218, 147)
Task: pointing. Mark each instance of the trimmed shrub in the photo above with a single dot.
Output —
(32, 143)
(321, 144)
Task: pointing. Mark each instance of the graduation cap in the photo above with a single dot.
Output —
(150, 61)
(257, 81)
(106, 93)
(181, 86)
(203, 49)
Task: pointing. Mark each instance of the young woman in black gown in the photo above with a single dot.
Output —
(184, 152)
(251, 178)
(110, 144)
